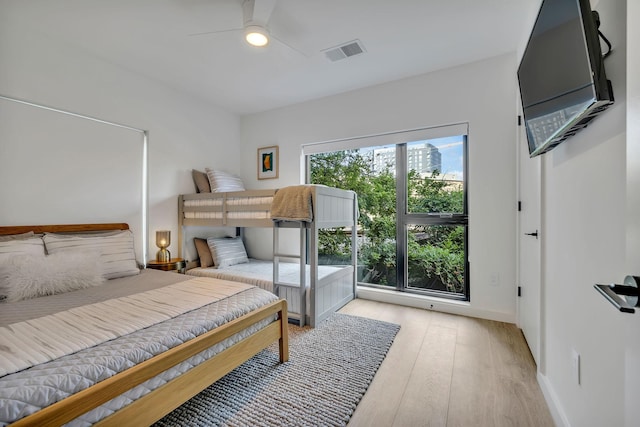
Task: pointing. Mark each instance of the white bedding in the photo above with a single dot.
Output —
(28, 390)
(40, 340)
(260, 273)
(233, 215)
(234, 201)
(251, 207)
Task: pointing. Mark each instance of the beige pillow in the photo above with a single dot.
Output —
(116, 249)
(201, 180)
(204, 253)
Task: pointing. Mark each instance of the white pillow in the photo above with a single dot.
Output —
(30, 276)
(10, 248)
(27, 235)
(221, 181)
(117, 253)
(27, 246)
(227, 251)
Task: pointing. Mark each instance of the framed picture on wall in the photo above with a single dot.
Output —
(268, 162)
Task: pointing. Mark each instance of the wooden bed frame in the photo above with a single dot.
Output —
(158, 403)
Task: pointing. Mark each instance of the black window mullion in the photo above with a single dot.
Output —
(401, 214)
(457, 219)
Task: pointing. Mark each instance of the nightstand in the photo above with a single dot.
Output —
(174, 264)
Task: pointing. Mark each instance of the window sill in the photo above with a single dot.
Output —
(463, 308)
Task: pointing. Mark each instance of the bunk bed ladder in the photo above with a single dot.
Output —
(302, 257)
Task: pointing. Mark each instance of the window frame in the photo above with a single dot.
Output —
(403, 217)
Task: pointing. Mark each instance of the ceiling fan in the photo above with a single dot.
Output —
(255, 24)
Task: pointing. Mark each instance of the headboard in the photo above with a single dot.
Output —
(63, 228)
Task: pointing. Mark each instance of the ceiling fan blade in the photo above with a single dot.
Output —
(215, 32)
(290, 46)
(257, 12)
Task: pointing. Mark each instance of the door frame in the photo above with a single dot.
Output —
(520, 235)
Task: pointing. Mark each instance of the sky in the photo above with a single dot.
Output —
(451, 150)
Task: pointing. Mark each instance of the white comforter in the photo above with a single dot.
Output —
(27, 391)
(40, 340)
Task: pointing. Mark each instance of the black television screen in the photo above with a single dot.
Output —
(562, 80)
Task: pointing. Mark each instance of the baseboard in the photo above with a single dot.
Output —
(444, 305)
(557, 413)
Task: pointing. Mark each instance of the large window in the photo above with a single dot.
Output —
(413, 225)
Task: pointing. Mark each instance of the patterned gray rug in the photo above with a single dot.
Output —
(329, 370)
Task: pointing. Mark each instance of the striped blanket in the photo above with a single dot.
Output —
(40, 340)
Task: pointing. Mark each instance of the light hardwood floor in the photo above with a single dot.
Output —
(448, 370)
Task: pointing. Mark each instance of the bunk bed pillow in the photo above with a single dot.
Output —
(116, 248)
(227, 251)
(204, 253)
(222, 182)
(201, 180)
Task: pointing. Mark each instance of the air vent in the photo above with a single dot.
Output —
(344, 51)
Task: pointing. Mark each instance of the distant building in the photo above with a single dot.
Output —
(423, 158)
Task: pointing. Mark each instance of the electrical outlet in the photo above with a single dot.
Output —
(494, 279)
(575, 366)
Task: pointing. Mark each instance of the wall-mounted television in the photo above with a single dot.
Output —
(562, 80)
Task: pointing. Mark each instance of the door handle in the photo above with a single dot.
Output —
(534, 234)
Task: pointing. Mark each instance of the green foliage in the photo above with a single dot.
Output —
(378, 263)
(430, 194)
(436, 253)
(436, 267)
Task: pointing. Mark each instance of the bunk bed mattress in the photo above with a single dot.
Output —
(233, 201)
(260, 273)
(29, 390)
(229, 215)
(250, 207)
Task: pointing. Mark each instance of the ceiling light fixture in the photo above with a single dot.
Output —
(256, 35)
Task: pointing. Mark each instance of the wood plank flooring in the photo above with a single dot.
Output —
(448, 370)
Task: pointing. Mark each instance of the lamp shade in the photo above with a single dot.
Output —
(163, 239)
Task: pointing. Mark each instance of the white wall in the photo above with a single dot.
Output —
(632, 325)
(184, 132)
(591, 201)
(481, 94)
(584, 211)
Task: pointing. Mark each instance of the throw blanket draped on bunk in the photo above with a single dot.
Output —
(31, 342)
(293, 203)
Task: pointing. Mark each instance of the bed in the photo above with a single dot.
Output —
(312, 291)
(127, 370)
(260, 273)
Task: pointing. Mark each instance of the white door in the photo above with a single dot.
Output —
(529, 244)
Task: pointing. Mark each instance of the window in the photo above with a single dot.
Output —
(413, 226)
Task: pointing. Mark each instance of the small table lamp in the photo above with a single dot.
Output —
(163, 240)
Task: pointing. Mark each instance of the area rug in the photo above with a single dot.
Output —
(329, 370)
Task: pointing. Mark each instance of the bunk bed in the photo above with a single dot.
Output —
(113, 369)
(312, 291)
